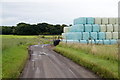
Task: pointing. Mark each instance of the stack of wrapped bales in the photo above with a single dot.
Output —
(92, 30)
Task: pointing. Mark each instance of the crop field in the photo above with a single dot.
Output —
(102, 59)
(14, 52)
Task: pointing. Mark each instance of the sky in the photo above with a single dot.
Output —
(54, 11)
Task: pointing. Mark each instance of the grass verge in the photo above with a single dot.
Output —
(13, 62)
(101, 66)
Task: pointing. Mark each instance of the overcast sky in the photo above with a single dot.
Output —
(55, 11)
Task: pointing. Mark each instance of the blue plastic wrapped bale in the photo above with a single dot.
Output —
(77, 36)
(113, 41)
(86, 35)
(90, 20)
(75, 41)
(101, 35)
(77, 28)
(68, 36)
(96, 28)
(93, 35)
(106, 42)
(88, 28)
(91, 42)
(84, 41)
(99, 41)
(74, 36)
(71, 41)
(64, 40)
(81, 20)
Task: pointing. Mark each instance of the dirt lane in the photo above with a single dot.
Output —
(45, 63)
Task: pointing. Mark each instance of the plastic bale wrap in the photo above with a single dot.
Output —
(103, 28)
(77, 28)
(108, 35)
(90, 20)
(78, 35)
(91, 41)
(93, 35)
(96, 28)
(84, 41)
(104, 20)
(73, 35)
(75, 41)
(106, 42)
(72, 41)
(97, 20)
(112, 20)
(101, 35)
(86, 35)
(116, 20)
(88, 28)
(99, 41)
(115, 35)
(68, 36)
(109, 28)
(73, 29)
(113, 41)
(81, 20)
(115, 26)
(66, 29)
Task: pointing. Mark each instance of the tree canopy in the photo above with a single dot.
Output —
(34, 29)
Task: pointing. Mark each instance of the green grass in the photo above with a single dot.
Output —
(109, 52)
(13, 61)
(15, 54)
(107, 68)
(16, 36)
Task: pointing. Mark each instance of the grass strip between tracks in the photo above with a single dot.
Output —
(102, 67)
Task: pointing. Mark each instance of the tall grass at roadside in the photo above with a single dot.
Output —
(82, 54)
(103, 51)
(13, 61)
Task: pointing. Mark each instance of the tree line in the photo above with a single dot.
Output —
(34, 29)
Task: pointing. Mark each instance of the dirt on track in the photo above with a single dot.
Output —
(45, 63)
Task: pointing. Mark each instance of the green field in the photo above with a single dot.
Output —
(14, 52)
(102, 59)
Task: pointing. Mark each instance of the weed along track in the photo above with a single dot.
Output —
(45, 63)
